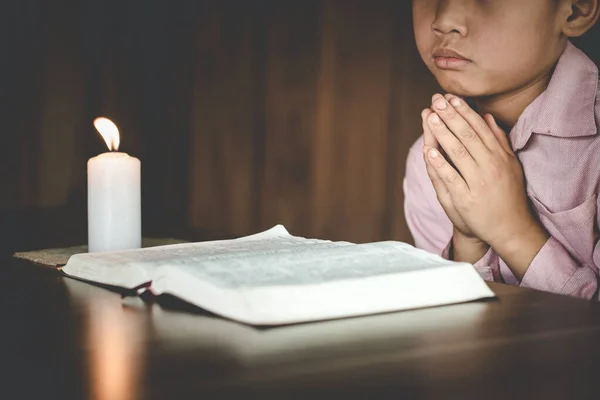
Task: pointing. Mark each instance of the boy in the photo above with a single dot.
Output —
(514, 192)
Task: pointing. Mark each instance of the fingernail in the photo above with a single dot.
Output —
(433, 154)
(440, 104)
(455, 102)
(434, 119)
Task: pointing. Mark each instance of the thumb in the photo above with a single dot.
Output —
(428, 138)
(499, 133)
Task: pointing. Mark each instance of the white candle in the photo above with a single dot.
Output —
(114, 196)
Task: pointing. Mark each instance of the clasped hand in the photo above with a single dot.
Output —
(477, 177)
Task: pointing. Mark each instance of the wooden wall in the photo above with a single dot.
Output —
(303, 115)
(244, 113)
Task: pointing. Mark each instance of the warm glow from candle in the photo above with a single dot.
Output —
(115, 345)
(109, 132)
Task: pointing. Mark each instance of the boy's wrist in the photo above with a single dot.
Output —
(467, 249)
(534, 233)
(518, 251)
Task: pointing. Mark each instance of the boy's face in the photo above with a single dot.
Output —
(501, 45)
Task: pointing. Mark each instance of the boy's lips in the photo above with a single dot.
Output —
(445, 58)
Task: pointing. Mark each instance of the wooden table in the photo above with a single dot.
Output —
(64, 339)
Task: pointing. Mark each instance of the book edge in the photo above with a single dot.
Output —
(279, 305)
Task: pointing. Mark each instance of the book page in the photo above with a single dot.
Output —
(293, 261)
(154, 256)
(132, 267)
(270, 258)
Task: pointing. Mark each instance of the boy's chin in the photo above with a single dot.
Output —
(461, 89)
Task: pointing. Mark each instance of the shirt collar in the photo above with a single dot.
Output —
(566, 107)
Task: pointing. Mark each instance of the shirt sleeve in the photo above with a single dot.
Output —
(554, 270)
(428, 223)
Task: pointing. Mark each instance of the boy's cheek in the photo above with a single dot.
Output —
(424, 37)
(425, 48)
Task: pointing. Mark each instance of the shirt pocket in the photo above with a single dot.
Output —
(575, 228)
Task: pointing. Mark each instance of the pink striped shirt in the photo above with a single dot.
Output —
(557, 141)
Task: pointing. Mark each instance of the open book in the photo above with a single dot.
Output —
(273, 278)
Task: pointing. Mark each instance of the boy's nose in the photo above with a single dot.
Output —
(450, 18)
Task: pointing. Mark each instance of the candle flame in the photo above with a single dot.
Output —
(109, 132)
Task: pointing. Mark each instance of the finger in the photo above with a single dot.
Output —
(476, 122)
(433, 99)
(439, 186)
(462, 130)
(455, 150)
(454, 183)
(499, 133)
(428, 138)
(449, 96)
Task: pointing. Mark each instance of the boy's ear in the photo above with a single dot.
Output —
(581, 16)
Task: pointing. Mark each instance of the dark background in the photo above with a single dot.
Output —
(244, 114)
